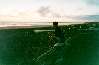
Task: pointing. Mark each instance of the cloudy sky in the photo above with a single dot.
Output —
(46, 10)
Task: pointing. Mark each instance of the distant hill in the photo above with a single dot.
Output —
(90, 18)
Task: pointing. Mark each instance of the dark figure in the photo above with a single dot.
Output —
(59, 46)
(58, 33)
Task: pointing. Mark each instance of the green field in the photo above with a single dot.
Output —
(24, 46)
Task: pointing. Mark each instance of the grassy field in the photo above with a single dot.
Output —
(22, 46)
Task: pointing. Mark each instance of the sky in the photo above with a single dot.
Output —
(46, 10)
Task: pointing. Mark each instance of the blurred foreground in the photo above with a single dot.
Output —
(35, 46)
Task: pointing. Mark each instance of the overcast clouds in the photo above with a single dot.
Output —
(36, 10)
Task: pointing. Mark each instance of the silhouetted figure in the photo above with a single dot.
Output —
(59, 46)
(58, 33)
